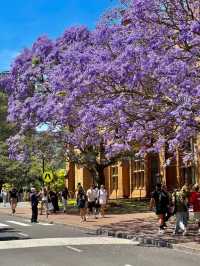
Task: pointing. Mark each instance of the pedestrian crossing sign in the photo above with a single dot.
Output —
(48, 177)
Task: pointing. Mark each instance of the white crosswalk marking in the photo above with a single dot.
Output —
(40, 223)
(3, 225)
(53, 242)
(18, 223)
(45, 224)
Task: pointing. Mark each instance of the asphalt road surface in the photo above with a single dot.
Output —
(43, 244)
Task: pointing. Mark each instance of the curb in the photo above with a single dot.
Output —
(143, 240)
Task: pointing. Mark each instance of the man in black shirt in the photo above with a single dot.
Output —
(160, 201)
(34, 204)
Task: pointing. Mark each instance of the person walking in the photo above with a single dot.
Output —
(44, 201)
(65, 195)
(13, 198)
(34, 205)
(81, 203)
(180, 201)
(91, 197)
(103, 196)
(195, 202)
(4, 196)
(170, 206)
(159, 200)
(54, 200)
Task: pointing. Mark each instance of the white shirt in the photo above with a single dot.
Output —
(91, 195)
(102, 196)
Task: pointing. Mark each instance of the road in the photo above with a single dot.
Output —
(43, 244)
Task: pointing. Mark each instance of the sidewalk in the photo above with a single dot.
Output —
(142, 227)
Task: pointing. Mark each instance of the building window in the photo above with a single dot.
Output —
(137, 174)
(114, 177)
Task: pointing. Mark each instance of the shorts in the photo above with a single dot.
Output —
(161, 211)
(197, 216)
(81, 204)
(91, 205)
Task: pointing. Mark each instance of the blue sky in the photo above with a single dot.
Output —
(22, 21)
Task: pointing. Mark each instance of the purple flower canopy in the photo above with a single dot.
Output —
(135, 81)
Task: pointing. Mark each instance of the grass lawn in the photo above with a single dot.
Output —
(122, 206)
(119, 206)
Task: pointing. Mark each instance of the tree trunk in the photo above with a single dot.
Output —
(97, 174)
(100, 175)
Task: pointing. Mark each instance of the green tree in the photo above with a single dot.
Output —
(17, 173)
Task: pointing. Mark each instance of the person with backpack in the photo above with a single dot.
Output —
(195, 202)
(181, 209)
(159, 201)
(13, 198)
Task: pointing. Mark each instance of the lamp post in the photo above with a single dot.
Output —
(43, 164)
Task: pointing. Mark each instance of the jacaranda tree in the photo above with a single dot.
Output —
(133, 80)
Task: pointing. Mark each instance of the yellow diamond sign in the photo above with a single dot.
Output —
(48, 177)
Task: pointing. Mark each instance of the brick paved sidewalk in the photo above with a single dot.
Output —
(138, 226)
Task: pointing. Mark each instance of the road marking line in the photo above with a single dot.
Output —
(74, 249)
(3, 225)
(41, 223)
(18, 223)
(45, 224)
(22, 234)
(76, 241)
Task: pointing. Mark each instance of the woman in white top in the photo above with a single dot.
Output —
(102, 199)
(44, 202)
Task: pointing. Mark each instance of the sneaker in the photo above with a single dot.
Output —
(161, 231)
(175, 233)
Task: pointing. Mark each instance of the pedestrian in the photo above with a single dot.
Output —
(170, 206)
(159, 200)
(13, 198)
(52, 196)
(44, 201)
(103, 196)
(34, 205)
(180, 200)
(91, 197)
(97, 204)
(195, 201)
(4, 196)
(65, 195)
(81, 202)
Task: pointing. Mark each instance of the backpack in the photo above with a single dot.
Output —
(181, 204)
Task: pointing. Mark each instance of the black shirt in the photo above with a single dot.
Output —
(34, 199)
(13, 193)
(161, 200)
